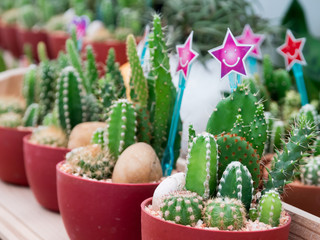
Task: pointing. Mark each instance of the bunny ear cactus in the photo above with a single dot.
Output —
(310, 173)
(30, 85)
(270, 208)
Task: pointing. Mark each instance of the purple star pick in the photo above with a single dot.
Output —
(249, 37)
(231, 55)
(186, 55)
(81, 23)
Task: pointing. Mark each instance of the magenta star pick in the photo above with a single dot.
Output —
(249, 37)
(186, 55)
(231, 55)
(81, 23)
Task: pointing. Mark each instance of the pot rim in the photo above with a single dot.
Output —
(22, 130)
(148, 201)
(299, 184)
(26, 139)
(88, 180)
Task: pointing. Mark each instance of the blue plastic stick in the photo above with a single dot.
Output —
(79, 43)
(144, 50)
(298, 74)
(252, 65)
(232, 81)
(168, 157)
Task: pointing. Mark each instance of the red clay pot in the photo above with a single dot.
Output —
(153, 228)
(40, 162)
(303, 196)
(11, 156)
(1, 35)
(100, 210)
(57, 42)
(33, 37)
(10, 39)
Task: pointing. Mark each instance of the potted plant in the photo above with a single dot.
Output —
(221, 197)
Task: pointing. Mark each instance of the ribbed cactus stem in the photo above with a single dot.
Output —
(310, 173)
(31, 116)
(42, 51)
(270, 208)
(30, 85)
(236, 182)
(311, 114)
(97, 137)
(278, 132)
(192, 134)
(91, 68)
(202, 164)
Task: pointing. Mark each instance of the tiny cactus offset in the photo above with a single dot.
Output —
(270, 208)
(31, 116)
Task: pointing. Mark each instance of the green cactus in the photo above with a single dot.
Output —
(278, 133)
(121, 127)
(270, 208)
(49, 135)
(32, 115)
(311, 114)
(202, 164)
(182, 207)
(267, 69)
(10, 120)
(310, 173)
(3, 65)
(236, 182)
(192, 134)
(29, 16)
(91, 73)
(317, 147)
(225, 214)
(51, 119)
(92, 108)
(108, 13)
(11, 104)
(70, 99)
(62, 61)
(97, 137)
(165, 91)
(30, 85)
(253, 214)
(236, 148)
(42, 52)
(130, 19)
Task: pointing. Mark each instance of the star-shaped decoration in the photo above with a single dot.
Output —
(249, 37)
(231, 55)
(81, 23)
(186, 55)
(291, 50)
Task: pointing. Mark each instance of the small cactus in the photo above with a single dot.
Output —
(270, 208)
(225, 214)
(49, 135)
(11, 104)
(32, 115)
(30, 85)
(311, 114)
(10, 120)
(91, 73)
(182, 207)
(97, 137)
(310, 173)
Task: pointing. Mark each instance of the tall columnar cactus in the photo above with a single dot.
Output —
(270, 208)
(70, 99)
(165, 91)
(183, 208)
(225, 214)
(91, 72)
(202, 164)
(121, 127)
(236, 182)
(32, 115)
(310, 173)
(30, 85)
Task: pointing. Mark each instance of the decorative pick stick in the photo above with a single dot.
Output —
(80, 23)
(231, 56)
(145, 42)
(249, 37)
(186, 58)
(291, 50)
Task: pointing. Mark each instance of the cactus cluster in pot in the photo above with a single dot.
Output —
(224, 188)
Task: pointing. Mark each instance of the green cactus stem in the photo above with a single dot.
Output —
(51, 119)
(278, 132)
(3, 65)
(10, 120)
(49, 135)
(202, 163)
(236, 148)
(253, 214)
(121, 127)
(31, 116)
(310, 173)
(236, 182)
(192, 134)
(42, 52)
(182, 207)
(97, 137)
(311, 114)
(11, 104)
(70, 99)
(30, 85)
(270, 208)
(225, 214)
(91, 68)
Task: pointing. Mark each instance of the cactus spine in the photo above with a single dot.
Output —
(270, 208)
(310, 173)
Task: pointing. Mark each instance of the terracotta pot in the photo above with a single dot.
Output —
(303, 196)
(11, 156)
(10, 39)
(153, 228)
(57, 42)
(1, 35)
(100, 210)
(33, 37)
(40, 162)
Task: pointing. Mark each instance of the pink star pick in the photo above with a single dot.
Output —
(231, 55)
(81, 23)
(249, 37)
(186, 55)
(291, 50)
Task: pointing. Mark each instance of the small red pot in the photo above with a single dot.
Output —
(1, 35)
(10, 39)
(40, 162)
(33, 37)
(100, 210)
(153, 228)
(57, 42)
(11, 156)
(303, 196)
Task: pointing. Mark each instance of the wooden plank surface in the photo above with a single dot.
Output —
(22, 218)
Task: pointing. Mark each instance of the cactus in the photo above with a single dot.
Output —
(270, 208)
(91, 73)
(30, 85)
(29, 16)
(42, 52)
(49, 135)
(70, 99)
(310, 173)
(62, 61)
(93, 108)
(3, 65)
(236, 182)
(253, 214)
(165, 91)
(91, 161)
(192, 134)
(51, 119)
(121, 127)
(10, 120)
(129, 18)
(182, 207)
(107, 13)
(97, 137)
(317, 147)
(311, 114)
(278, 132)
(202, 164)
(225, 214)
(32, 115)
(11, 104)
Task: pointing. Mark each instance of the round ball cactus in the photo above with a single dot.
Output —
(310, 173)
(10, 120)
(182, 207)
(49, 135)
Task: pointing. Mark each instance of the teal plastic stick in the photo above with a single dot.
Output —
(252, 62)
(298, 75)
